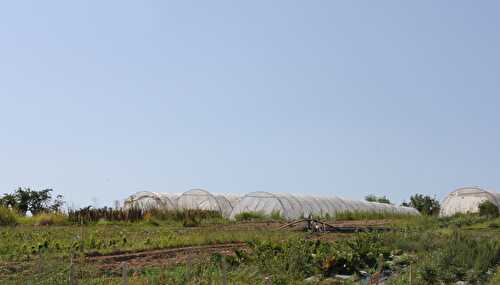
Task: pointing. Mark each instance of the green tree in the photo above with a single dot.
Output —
(381, 199)
(488, 209)
(25, 199)
(424, 204)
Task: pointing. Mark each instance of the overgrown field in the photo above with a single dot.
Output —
(430, 250)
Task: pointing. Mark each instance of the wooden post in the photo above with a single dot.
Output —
(411, 273)
(82, 239)
(72, 278)
(224, 273)
(40, 262)
(189, 264)
(125, 273)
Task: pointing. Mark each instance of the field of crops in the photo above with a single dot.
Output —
(425, 250)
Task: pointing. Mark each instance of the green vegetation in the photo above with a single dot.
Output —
(459, 248)
(250, 216)
(8, 217)
(381, 199)
(424, 204)
(488, 209)
(365, 215)
(37, 249)
(37, 202)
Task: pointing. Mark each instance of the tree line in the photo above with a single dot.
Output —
(36, 202)
(426, 205)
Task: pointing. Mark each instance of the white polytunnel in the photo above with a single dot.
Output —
(151, 200)
(293, 207)
(467, 200)
(199, 199)
(286, 205)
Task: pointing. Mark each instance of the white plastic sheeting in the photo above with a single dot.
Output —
(151, 200)
(199, 199)
(293, 207)
(467, 200)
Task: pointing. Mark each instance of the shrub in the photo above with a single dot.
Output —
(8, 217)
(488, 209)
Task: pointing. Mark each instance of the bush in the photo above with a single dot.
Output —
(488, 209)
(8, 217)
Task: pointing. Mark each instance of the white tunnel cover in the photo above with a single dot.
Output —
(293, 207)
(467, 200)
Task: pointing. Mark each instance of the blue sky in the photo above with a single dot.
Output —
(99, 99)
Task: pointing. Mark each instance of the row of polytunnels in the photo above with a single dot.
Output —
(287, 205)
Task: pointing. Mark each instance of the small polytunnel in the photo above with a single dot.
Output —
(199, 199)
(151, 200)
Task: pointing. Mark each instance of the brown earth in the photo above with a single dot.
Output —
(161, 258)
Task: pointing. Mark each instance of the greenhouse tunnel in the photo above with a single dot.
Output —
(199, 199)
(467, 200)
(293, 206)
(151, 200)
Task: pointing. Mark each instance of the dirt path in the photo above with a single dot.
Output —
(163, 257)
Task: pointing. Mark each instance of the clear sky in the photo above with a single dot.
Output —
(99, 99)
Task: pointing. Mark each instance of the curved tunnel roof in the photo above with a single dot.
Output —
(293, 206)
(467, 200)
(150, 200)
(200, 199)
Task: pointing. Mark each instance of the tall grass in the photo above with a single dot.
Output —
(370, 215)
(91, 215)
(188, 218)
(8, 217)
(45, 219)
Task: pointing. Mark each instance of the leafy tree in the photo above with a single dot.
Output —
(25, 199)
(381, 199)
(8, 201)
(488, 209)
(424, 204)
